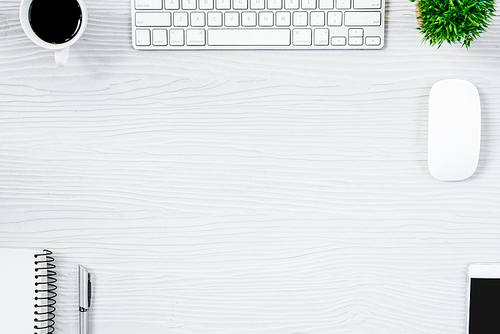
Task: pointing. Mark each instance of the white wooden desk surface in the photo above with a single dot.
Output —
(249, 191)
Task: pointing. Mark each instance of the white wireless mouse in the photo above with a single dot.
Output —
(454, 130)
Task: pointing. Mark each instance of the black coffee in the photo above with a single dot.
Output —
(55, 21)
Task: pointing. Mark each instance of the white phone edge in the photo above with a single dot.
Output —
(478, 270)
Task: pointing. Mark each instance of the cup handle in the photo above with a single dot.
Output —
(61, 57)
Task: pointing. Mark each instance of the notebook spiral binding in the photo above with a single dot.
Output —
(45, 286)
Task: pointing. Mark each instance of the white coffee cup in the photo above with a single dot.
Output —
(61, 48)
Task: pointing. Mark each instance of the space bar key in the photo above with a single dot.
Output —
(248, 37)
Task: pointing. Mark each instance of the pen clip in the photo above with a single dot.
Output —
(89, 291)
(85, 289)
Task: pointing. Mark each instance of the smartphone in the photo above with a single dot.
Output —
(483, 298)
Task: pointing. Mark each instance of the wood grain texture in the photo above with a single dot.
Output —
(247, 191)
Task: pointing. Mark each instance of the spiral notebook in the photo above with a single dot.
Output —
(27, 284)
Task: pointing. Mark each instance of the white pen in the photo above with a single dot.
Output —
(84, 288)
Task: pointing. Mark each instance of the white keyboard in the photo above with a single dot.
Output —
(257, 24)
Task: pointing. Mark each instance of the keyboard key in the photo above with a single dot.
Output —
(180, 19)
(362, 18)
(232, 19)
(343, 4)
(240, 4)
(373, 41)
(188, 4)
(367, 4)
(148, 4)
(152, 19)
(249, 37)
(355, 41)
(326, 4)
(257, 4)
(142, 37)
(274, 4)
(223, 4)
(197, 19)
(206, 4)
(302, 37)
(300, 19)
(214, 19)
(159, 37)
(171, 4)
(283, 19)
(266, 19)
(177, 37)
(308, 4)
(334, 19)
(291, 4)
(248, 19)
(321, 37)
(355, 32)
(339, 41)
(195, 37)
(317, 19)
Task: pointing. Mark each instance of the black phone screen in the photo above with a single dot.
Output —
(484, 309)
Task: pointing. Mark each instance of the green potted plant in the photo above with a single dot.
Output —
(453, 21)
